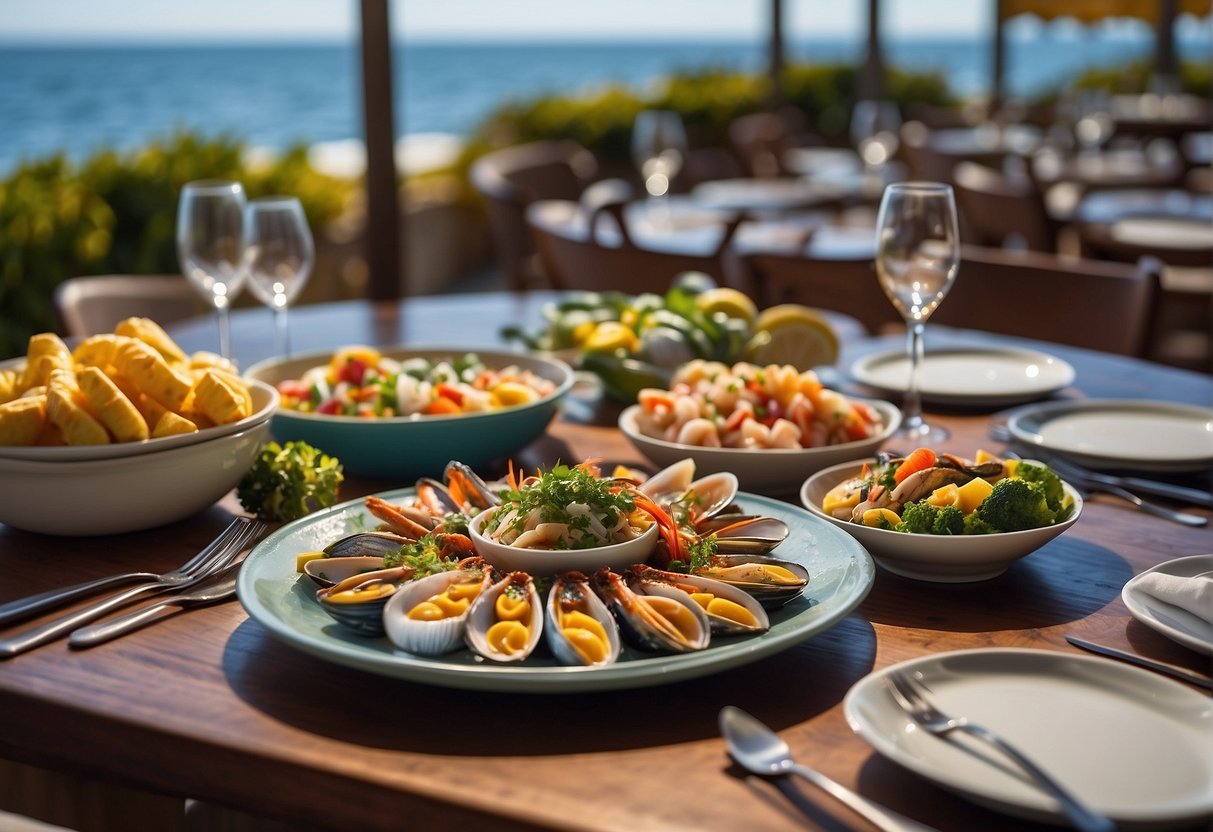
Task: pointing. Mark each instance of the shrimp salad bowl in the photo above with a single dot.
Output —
(939, 517)
(401, 412)
(772, 426)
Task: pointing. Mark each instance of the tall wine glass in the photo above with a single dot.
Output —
(659, 146)
(279, 256)
(210, 246)
(917, 257)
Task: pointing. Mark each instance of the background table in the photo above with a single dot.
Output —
(209, 705)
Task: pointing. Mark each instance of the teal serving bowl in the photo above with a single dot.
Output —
(403, 448)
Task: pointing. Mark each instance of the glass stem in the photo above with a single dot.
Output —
(912, 404)
(225, 331)
(282, 338)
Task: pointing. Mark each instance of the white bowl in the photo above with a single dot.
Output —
(265, 402)
(544, 562)
(403, 447)
(932, 557)
(129, 493)
(773, 471)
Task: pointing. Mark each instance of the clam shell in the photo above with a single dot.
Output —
(366, 544)
(644, 622)
(706, 496)
(334, 570)
(483, 616)
(650, 581)
(426, 638)
(571, 592)
(744, 572)
(363, 617)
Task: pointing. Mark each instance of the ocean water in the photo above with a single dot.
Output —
(78, 99)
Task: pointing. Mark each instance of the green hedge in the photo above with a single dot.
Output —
(116, 214)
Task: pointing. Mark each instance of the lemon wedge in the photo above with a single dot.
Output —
(732, 302)
(610, 336)
(792, 334)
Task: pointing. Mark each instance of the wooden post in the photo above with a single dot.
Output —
(872, 87)
(383, 214)
(1164, 50)
(998, 87)
(776, 55)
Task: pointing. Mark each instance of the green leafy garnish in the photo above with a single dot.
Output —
(289, 481)
(424, 557)
(553, 493)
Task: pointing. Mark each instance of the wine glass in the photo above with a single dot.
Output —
(279, 256)
(659, 145)
(917, 257)
(875, 126)
(210, 246)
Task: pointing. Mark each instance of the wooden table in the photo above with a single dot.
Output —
(209, 705)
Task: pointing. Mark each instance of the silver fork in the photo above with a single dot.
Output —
(28, 607)
(910, 694)
(220, 586)
(220, 557)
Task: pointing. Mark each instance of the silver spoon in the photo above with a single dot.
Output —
(761, 751)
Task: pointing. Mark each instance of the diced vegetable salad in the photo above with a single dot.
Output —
(360, 382)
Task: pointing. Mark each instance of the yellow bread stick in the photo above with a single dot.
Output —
(150, 332)
(22, 420)
(148, 370)
(160, 420)
(46, 353)
(171, 424)
(10, 385)
(65, 406)
(114, 410)
(202, 360)
(222, 399)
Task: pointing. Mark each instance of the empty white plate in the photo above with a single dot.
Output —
(1130, 743)
(969, 376)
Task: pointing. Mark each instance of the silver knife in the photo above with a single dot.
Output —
(1141, 661)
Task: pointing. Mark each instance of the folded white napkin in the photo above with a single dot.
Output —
(1193, 594)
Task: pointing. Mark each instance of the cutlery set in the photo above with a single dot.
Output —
(206, 578)
(1126, 488)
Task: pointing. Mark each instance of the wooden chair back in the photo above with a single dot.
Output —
(1102, 306)
(587, 258)
(998, 212)
(95, 304)
(512, 178)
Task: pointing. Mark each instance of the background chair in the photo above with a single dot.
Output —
(997, 211)
(847, 285)
(511, 179)
(602, 254)
(1084, 303)
(96, 303)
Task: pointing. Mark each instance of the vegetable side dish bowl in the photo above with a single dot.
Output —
(446, 419)
(979, 555)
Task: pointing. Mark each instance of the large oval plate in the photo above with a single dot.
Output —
(283, 601)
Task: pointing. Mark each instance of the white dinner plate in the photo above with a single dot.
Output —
(969, 376)
(1115, 433)
(1172, 621)
(282, 600)
(1130, 743)
(1164, 232)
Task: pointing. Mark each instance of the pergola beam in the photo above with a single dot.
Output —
(383, 214)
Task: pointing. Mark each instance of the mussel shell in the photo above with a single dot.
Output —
(706, 496)
(745, 534)
(426, 638)
(483, 615)
(467, 489)
(636, 617)
(571, 591)
(769, 595)
(365, 617)
(363, 544)
(655, 581)
(334, 570)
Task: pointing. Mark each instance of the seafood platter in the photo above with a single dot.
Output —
(565, 579)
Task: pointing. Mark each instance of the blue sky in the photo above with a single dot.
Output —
(336, 20)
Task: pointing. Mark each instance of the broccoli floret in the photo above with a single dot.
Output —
(1032, 472)
(1014, 505)
(918, 518)
(974, 524)
(289, 481)
(948, 520)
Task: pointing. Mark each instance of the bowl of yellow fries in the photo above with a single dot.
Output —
(122, 432)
